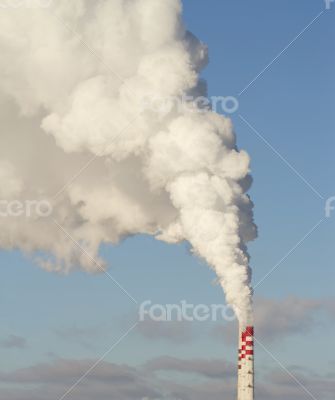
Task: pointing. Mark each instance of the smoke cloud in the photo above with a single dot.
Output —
(77, 83)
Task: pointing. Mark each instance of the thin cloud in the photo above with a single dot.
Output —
(216, 381)
(13, 342)
(214, 369)
(289, 316)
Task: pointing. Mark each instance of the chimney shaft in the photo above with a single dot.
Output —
(245, 388)
(240, 368)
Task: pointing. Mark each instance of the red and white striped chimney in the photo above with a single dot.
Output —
(245, 388)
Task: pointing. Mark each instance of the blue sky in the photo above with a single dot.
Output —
(291, 106)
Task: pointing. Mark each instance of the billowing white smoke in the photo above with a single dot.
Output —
(79, 80)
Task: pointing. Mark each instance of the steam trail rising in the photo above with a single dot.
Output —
(174, 173)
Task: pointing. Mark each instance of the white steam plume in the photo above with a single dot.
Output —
(74, 79)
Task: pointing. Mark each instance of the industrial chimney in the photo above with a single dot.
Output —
(245, 385)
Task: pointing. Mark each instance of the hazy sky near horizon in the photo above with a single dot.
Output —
(285, 120)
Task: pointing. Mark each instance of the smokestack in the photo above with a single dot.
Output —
(240, 370)
(245, 386)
